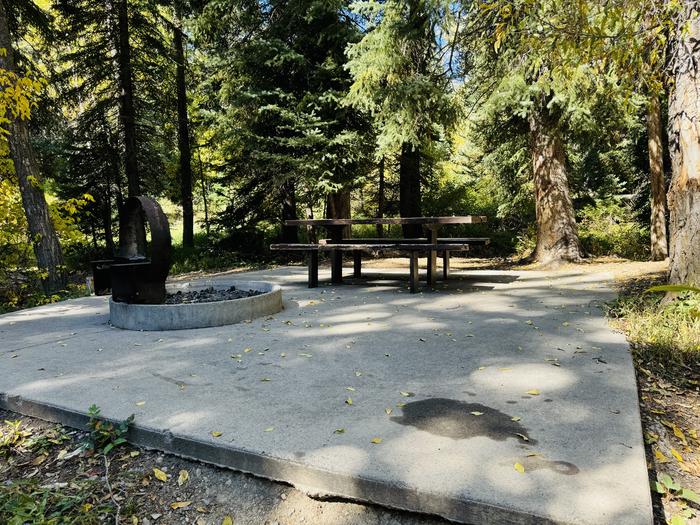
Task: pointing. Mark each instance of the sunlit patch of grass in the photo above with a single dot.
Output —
(668, 333)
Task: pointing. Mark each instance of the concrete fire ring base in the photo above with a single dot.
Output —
(155, 317)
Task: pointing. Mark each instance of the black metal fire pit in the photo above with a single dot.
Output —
(138, 273)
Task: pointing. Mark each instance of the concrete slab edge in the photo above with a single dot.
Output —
(314, 482)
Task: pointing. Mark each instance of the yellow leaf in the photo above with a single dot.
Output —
(216, 434)
(159, 474)
(180, 505)
(246, 350)
(533, 392)
(348, 401)
(376, 440)
(140, 403)
(39, 459)
(679, 434)
(228, 520)
(515, 418)
(676, 455)
(660, 456)
(406, 394)
(475, 413)
(519, 468)
(269, 429)
(134, 453)
(183, 477)
(388, 411)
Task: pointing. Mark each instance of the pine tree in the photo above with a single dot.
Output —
(275, 89)
(401, 77)
(15, 16)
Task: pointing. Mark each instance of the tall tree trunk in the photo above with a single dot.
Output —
(205, 199)
(684, 146)
(310, 230)
(380, 198)
(659, 239)
(338, 207)
(183, 133)
(41, 230)
(409, 187)
(290, 234)
(127, 112)
(557, 234)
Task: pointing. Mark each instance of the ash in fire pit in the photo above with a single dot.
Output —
(209, 295)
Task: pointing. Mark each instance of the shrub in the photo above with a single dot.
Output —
(609, 227)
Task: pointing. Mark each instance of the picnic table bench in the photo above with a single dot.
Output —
(428, 246)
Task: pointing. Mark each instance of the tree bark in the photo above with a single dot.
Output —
(684, 147)
(380, 198)
(183, 133)
(127, 111)
(338, 207)
(41, 230)
(205, 199)
(409, 187)
(557, 234)
(290, 234)
(659, 239)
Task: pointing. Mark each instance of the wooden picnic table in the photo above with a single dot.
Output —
(432, 225)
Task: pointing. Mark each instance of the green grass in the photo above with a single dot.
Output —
(666, 333)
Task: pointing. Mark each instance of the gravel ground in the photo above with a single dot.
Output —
(212, 493)
(209, 295)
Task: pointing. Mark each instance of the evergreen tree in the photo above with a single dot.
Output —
(276, 84)
(402, 71)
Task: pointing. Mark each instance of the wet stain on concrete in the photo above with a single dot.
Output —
(454, 419)
(539, 463)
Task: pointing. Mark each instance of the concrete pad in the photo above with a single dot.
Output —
(453, 367)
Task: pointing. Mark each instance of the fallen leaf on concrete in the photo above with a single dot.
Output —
(180, 505)
(475, 413)
(269, 429)
(228, 520)
(140, 403)
(519, 468)
(407, 394)
(160, 475)
(339, 431)
(348, 401)
(522, 436)
(515, 418)
(533, 392)
(376, 440)
(388, 411)
(349, 388)
(216, 434)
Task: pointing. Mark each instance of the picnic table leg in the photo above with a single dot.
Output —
(432, 255)
(336, 233)
(445, 264)
(413, 272)
(357, 263)
(313, 269)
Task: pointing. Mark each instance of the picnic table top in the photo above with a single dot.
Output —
(460, 219)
